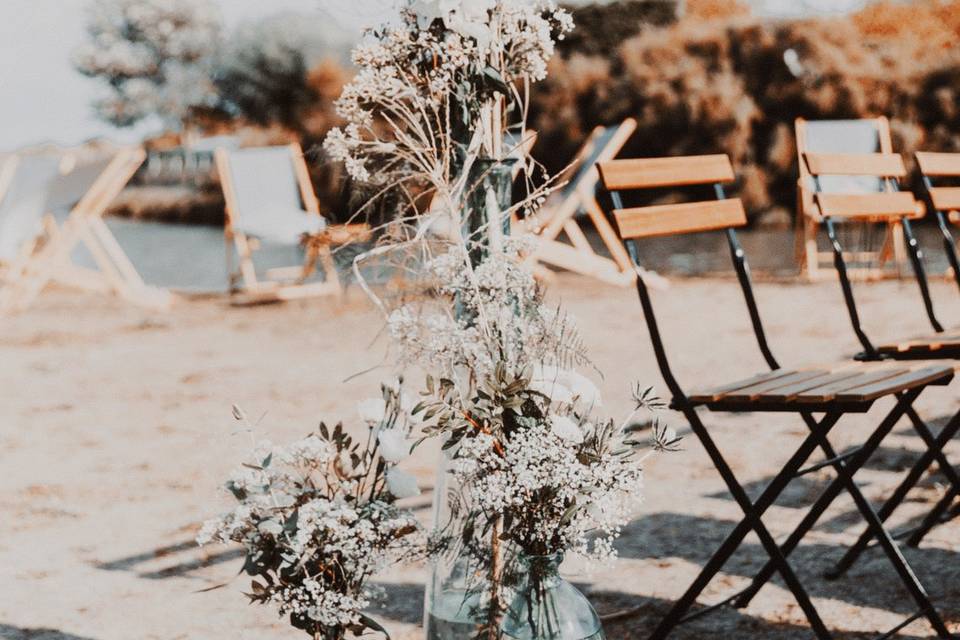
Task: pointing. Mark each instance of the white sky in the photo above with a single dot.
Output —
(42, 99)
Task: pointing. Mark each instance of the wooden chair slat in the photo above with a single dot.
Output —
(939, 342)
(856, 164)
(758, 391)
(827, 392)
(938, 164)
(902, 382)
(688, 217)
(946, 198)
(716, 393)
(877, 206)
(788, 393)
(646, 173)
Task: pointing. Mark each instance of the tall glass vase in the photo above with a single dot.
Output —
(461, 600)
(488, 197)
(547, 607)
(463, 595)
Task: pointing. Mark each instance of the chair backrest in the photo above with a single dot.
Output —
(25, 201)
(869, 135)
(886, 204)
(259, 181)
(668, 219)
(603, 144)
(944, 199)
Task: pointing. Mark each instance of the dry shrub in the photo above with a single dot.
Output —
(716, 9)
(706, 84)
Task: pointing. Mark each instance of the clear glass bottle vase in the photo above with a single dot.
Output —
(457, 603)
(488, 197)
(545, 606)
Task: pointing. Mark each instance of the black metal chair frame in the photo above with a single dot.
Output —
(941, 512)
(949, 243)
(845, 465)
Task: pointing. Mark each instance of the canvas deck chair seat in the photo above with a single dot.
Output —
(50, 255)
(561, 240)
(24, 188)
(876, 245)
(831, 391)
(270, 200)
(941, 346)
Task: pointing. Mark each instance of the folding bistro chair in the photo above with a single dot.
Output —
(891, 205)
(943, 200)
(270, 199)
(559, 214)
(833, 390)
(870, 135)
(50, 259)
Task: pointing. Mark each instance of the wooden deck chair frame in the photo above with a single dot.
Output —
(579, 256)
(809, 257)
(51, 259)
(284, 283)
(832, 391)
(943, 201)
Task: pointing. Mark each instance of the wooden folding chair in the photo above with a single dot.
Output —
(50, 260)
(869, 135)
(939, 346)
(833, 390)
(270, 199)
(943, 200)
(559, 215)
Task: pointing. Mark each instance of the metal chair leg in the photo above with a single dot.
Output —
(934, 446)
(939, 514)
(826, 498)
(753, 512)
(889, 545)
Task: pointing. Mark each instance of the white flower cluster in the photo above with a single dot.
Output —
(502, 318)
(555, 498)
(317, 518)
(411, 76)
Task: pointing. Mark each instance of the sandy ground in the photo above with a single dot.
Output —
(115, 434)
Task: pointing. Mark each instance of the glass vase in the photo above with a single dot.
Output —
(547, 607)
(457, 604)
(488, 197)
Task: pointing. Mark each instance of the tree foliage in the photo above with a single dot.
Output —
(154, 57)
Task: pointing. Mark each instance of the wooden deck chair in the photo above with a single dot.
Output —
(819, 395)
(943, 200)
(24, 189)
(559, 215)
(270, 199)
(51, 259)
(942, 345)
(869, 135)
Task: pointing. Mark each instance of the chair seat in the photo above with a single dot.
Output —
(281, 225)
(932, 347)
(845, 385)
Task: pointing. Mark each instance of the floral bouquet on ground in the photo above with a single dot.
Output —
(318, 519)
